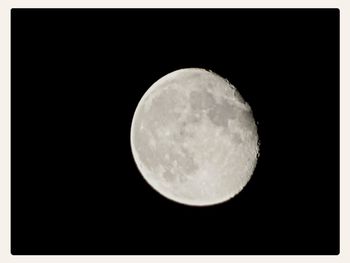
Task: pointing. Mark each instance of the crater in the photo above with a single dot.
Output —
(246, 120)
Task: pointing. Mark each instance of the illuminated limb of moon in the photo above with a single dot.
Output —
(194, 138)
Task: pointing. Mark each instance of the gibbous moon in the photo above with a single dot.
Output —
(194, 138)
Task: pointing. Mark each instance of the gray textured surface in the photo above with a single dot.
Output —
(194, 139)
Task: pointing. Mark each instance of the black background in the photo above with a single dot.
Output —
(77, 76)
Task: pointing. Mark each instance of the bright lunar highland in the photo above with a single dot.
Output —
(194, 139)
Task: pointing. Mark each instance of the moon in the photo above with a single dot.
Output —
(194, 138)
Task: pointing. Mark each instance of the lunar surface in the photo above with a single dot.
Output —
(194, 138)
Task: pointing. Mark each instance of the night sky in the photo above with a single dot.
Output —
(76, 78)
